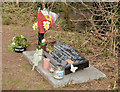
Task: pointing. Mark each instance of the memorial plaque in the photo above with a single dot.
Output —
(65, 55)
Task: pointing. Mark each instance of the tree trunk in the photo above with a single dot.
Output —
(66, 14)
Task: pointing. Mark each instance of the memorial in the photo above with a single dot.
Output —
(63, 52)
(73, 67)
(81, 76)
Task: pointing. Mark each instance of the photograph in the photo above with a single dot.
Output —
(60, 45)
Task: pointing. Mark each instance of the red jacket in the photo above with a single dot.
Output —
(41, 18)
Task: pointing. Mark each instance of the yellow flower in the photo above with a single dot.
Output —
(35, 26)
(49, 18)
(46, 27)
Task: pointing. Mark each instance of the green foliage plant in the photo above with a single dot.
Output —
(20, 40)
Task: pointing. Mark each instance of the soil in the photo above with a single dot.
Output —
(16, 70)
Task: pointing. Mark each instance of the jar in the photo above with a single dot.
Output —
(59, 72)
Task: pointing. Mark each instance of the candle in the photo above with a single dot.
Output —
(46, 63)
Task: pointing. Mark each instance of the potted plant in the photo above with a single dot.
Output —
(19, 44)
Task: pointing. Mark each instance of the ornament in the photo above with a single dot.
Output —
(73, 69)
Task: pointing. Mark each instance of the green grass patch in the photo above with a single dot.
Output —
(101, 56)
(26, 24)
(10, 81)
(6, 20)
(24, 86)
(70, 36)
(99, 42)
(14, 22)
(41, 86)
(86, 50)
(15, 29)
(109, 70)
(27, 68)
(107, 53)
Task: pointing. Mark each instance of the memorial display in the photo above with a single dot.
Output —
(62, 53)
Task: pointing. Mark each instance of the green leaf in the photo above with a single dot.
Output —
(39, 47)
(10, 48)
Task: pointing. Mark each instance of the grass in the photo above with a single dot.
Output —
(6, 20)
(16, 15)
(24, 86)
(11, 81)
(15, 28)
(25, 24)
(26, 68)
(101, 56)
(70, 38)
(41, 86)
(107, 53)
(109, 70)
(86, 50)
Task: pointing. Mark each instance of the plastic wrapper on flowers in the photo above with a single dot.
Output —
(45, 20)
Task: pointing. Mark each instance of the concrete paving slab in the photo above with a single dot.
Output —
(80, 76)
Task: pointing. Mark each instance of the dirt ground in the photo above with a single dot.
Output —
(16, 70)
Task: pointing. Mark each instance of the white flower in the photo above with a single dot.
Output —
(13, 43)
(22, 36)
(46, 24)
(35, 25)
(43, 41)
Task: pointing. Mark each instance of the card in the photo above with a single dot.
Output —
(70, 61)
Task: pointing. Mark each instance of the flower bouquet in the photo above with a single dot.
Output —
(45, 21)
(19, 44)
